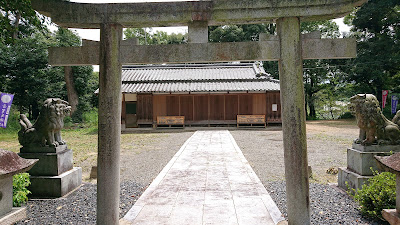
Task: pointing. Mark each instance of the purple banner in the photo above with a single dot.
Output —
(395, 100)
(5, 106)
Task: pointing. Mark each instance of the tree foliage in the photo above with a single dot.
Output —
(18, 20)
(24, 72)
(377, 66)
(83, 82)
(317, 72)
(245, 32)
(236, 33)
(154, 38)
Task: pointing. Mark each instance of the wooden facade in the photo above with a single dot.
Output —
(202, 109)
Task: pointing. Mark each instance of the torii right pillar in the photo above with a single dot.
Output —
(293, 121)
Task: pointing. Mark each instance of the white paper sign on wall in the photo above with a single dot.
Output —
(274, 107)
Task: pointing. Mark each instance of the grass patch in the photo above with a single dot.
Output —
(332, 138)
(83, 142)
(351, 123)
(9, 141)
(139, 142)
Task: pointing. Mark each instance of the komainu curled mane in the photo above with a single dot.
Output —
(375, 128)
(47, 128)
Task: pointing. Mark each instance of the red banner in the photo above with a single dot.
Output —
(384, 97)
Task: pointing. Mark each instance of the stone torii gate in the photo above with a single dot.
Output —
(289, 48)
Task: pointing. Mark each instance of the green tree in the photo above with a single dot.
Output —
(18, 20)
(236, 33)
(80, 82)
(316, 72)
(377, 66)
(23, 55)
(154, 38)
(245, 32)
(25, 73)
(140, 33)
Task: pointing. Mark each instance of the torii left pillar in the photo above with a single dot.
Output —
(108, 159)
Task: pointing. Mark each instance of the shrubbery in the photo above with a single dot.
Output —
(378, 194)
(89, 120)
(346, 115)
(91, 117)
(20, 192)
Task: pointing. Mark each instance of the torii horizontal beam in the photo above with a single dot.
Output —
(217, 12)
(204, 52)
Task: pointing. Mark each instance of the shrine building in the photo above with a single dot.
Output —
(200, 94)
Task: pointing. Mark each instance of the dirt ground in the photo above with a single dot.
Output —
(327, 143)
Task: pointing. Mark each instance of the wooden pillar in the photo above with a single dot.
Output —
(293, 121)
(193, 108)
(109, 124)
(208, 113)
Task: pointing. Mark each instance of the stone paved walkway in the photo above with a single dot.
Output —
(208, 181)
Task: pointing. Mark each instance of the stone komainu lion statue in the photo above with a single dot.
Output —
(375, 128)
(47, 128)
(396, 118)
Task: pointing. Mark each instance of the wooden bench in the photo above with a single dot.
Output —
(170, 121)
(251, 121)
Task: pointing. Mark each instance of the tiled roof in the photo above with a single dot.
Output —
(197, 78)
(231, 86)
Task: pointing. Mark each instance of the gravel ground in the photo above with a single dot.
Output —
(139, 168)
(78, 207)
(143, 161)
(329, 205)
(326, 148)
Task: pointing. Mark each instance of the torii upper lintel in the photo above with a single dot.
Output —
(217, 12)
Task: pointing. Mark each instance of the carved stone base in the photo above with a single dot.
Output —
(55, 186)
(353, 180)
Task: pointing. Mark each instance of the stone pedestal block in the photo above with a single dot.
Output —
(353, 180)
(50, 164)
(55, 186)
(360, 160)
(54, 175)
(44, 149)
(376, 148)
